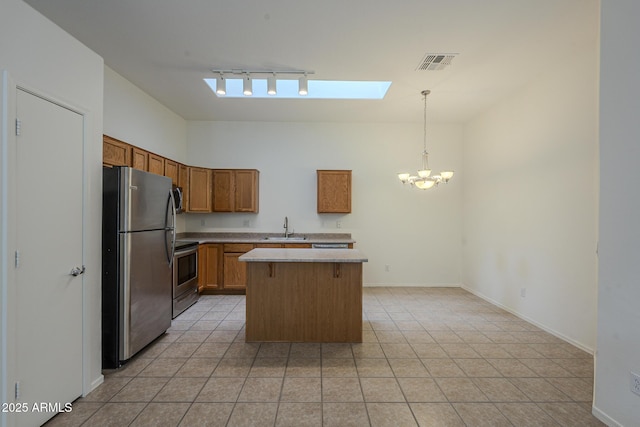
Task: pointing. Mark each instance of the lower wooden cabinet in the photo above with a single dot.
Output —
(220, 271)
(235, 272)
(209, 267)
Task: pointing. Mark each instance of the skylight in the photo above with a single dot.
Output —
(318, 89)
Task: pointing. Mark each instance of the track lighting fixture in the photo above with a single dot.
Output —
(302, 85)
(221, 85)
(247, 86)
(247, 77)
(271, 85)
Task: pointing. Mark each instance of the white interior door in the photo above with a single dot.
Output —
(49, 242)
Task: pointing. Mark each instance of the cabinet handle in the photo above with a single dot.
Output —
(272, 269)
(337, 273)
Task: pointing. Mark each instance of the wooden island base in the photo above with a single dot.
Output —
(304, 301)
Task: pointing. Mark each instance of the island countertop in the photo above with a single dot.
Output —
(303, 255)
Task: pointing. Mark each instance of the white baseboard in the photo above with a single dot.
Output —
(604, 418)
(525, 318)
(95, 383)
(409, 285)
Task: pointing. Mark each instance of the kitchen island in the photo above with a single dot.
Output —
(304, 295)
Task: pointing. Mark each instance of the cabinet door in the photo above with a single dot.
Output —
(114, 152)
(183, 181)
(202, 267)
(140, 159)
(246, 190)
(209, 267)
(334, 191)
(235, 272)
(171, 170)
(156, 164)
(223, 199)
(199, 199)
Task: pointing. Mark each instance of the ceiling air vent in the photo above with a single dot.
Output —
(436, 61)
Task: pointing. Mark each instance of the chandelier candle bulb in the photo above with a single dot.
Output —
(424, 180)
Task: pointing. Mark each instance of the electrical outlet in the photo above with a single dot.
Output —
(523, 292)
(246, 223)
(635, 382)
(202, 222)
(387, 267)
(338, 224)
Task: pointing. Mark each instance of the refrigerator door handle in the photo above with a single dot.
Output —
(171, 211)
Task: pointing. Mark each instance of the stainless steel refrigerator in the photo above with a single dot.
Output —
(138, 241)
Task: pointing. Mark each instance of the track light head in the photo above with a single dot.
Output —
(221, 85)
(247, 86)
(302, 85)
(271, 85)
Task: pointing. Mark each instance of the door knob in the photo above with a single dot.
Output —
(76, 271)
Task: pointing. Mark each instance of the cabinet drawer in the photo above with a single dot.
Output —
(238, 247)
(298, 245)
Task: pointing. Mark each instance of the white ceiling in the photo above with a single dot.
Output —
(166, 48)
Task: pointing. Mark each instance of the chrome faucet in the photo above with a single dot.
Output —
(286, 227)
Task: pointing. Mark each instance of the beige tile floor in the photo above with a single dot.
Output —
(429, 357)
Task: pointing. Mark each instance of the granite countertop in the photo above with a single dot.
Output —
(239, 237)
(303, 255)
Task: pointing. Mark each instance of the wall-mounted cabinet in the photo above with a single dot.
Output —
(235, 190)
(156, 164)
(115, 152)
(171, 170)
(203, 189)
(199, 199)
(139, 159)
(334, 191)
(183, 181)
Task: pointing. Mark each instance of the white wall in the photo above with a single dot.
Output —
(133, 116)
(40, 56)
(530, 200)
(618, 350)
(416, 233)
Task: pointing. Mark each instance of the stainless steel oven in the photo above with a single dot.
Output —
(185, 276)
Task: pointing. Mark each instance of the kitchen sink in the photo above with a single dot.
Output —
(285, 239)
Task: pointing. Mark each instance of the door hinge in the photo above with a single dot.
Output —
(17, 259)
(18, 126)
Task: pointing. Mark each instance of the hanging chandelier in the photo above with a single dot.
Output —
(424, 180)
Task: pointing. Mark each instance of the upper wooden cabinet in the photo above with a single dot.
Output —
(156, 164)
(115, 152)
(223, 200)
(183, 181)
(171, 170)
(203, 189)
(235, 190)
(140, 159)
(334, 191)
(199, 192)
